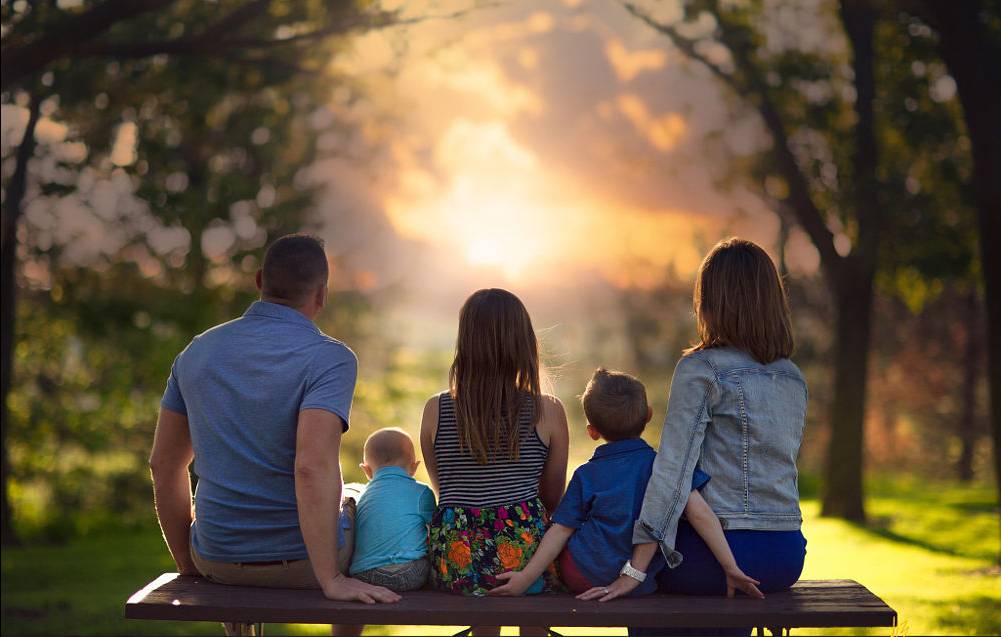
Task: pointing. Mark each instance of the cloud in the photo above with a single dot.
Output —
(629, 64)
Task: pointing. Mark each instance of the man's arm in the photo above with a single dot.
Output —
(168, 463)
(318, 497)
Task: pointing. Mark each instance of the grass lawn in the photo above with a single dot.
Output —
(928, 552)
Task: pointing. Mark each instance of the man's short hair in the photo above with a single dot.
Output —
(294, 267)
(615, 404)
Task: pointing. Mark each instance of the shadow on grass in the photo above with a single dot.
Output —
(975, 507)
(880, 527)
(974, 615)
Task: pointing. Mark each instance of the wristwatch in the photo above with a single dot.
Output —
(630, 571)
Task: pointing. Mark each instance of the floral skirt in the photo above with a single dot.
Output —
(470, 546)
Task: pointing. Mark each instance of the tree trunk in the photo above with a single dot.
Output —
(853, 286)
(8, 307)
(971, 48)
(842, 489)
(783, 242)
(966, 427)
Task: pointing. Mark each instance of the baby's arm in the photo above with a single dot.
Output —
(701, 516)
(552, 543)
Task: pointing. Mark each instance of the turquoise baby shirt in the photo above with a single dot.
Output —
(391, 524)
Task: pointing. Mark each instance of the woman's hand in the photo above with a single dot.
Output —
(517, 584)
(737, 580)
(620, 587)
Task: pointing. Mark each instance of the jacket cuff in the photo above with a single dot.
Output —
(643, 533)
(671, 556)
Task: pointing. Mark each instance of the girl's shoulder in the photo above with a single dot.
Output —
(552, 406)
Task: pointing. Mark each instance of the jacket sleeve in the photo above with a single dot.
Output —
(694, 388)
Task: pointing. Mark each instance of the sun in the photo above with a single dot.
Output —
(496, 231)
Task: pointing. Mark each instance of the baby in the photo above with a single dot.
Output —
(593, 526)
(391, 523)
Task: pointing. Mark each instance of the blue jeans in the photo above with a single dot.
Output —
(775, 558)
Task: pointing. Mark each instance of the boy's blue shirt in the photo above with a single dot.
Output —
(392, 520)
(603, 502)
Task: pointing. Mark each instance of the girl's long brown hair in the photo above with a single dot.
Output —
(740, 302)
(496, 365)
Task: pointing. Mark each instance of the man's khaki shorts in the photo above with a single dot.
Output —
(281, 573)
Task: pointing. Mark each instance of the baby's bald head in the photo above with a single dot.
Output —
(390, 447)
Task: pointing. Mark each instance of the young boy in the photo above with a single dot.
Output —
(593, 525)
(393, 514)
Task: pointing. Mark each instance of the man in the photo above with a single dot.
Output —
(260, 404)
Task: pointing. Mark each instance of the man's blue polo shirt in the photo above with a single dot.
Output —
(392, 520)
(603, 502)
(242, 385)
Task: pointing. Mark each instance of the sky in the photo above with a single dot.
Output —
(553, 145)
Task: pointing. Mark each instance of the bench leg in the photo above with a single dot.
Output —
(242, 629)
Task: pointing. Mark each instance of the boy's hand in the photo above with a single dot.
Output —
(516, 585)
(620, 587)
(737, 580)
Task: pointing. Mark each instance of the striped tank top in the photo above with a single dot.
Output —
(466, 483)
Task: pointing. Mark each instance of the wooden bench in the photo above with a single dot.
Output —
(809, 604)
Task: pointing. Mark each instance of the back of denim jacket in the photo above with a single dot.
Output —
(742, 423)
(752, 441)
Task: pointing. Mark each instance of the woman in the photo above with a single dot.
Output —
(495, 448)
(737, 411)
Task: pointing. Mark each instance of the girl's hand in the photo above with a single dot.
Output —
(516, 585)
(622, 586)
(737, 580)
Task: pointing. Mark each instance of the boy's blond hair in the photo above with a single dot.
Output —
(615, 404)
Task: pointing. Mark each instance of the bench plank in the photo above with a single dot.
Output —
(827, 603)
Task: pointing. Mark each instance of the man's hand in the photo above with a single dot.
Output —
(619, 588)
(188, 569)
(517, 584)
(737, 580)
(347, 589)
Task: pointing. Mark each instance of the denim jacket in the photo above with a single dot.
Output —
(739, 421)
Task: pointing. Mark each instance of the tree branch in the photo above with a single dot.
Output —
(213, 41)
(751, 86)
(21, 60)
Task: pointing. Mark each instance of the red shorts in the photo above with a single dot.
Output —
(571, 575)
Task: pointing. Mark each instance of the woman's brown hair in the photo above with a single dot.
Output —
(496, 366)
(740, 302)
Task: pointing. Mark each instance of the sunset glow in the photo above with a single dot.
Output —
(529, 144)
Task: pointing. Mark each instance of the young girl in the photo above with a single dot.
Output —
(495, 448)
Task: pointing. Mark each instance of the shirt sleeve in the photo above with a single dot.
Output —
(172, 398)
(332, 383)
(699, 479)
(694, 388)
(427, 505)
(571, 510)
